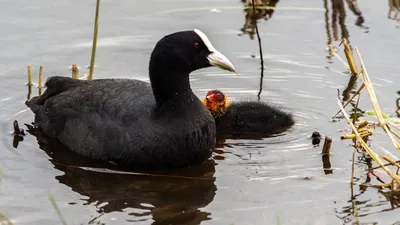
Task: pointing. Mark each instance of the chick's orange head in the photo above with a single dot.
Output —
(216, 102)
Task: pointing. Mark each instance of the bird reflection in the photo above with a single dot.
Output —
(171, 197)
(251, 18)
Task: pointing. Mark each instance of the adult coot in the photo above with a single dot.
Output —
(245, 117)
(133, 123)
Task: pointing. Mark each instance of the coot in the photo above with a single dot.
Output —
(246, 117)
(132, 123)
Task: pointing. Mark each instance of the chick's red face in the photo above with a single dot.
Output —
(215, 96)
(216, 102)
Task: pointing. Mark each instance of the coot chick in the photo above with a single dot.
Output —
(245, 117)
(132, 123)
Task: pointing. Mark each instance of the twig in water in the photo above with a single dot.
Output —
(75, 71)
(261, 53)
(355, 110)
(29, 92)
(29, 75)
(358, 92)
(394, 126)
(326, 164)
(96, 28)
(387, 164)
(327, 146)
(391, 161)
(17, 130)
(53, 202)
(349, 56)
(325, 156)
(352, 172)
(374, 101)
(333, 52)
(40, 85)
(365, 146)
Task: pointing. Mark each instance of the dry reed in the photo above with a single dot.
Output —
(29, 75)
(363, 131)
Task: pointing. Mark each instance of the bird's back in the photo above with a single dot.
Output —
(115, 120)
(250, 117)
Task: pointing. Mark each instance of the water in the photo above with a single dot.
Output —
(248, 181)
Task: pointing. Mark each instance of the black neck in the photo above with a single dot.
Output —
(169, 75)
(170, 85)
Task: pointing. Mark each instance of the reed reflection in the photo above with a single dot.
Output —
(338, 19)
(360, 205)
(394, 10)
(264, 10)
(398, 104)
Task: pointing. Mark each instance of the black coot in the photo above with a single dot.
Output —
(245, 117)
(133, 123)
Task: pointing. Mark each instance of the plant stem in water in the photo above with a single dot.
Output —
(53, 202)
(75, 71)
(40, 77)
(96, 28)
(260, 48)
(29, 75)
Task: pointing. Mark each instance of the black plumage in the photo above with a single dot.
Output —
(133, 123)
(244, 118)
(251, 117)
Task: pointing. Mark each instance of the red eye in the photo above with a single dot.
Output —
(196, 45)
(218, 97)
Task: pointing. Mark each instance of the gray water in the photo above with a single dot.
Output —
(247, 181)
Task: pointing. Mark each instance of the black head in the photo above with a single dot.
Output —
(187, 51)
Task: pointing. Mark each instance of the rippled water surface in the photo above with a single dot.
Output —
(247, 181)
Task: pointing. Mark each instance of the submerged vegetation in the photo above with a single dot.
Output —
(362, 130)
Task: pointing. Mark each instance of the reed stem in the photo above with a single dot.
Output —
(333, 52)
(391, 161)
(53, 202)
(374, 101)
(29, 75)
(365, 146)
(349, 56)
(75, 71)
(358, 92)
(94, 45)
(327, 146)
(387, 164)
(40, 85)
(352, 172)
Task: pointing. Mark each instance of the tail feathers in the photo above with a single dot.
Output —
(41, 120)
(32, 104)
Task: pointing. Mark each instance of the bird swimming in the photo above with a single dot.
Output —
(245, 117)
(132, 123)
